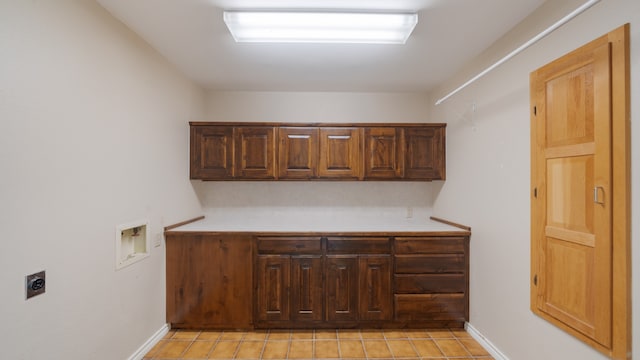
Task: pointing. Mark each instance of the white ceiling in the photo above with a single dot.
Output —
(193, 36)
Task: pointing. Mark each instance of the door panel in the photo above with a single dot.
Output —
(342, 288)
(298, 153)
(382, 153)
(340, 153)
(570, 193)
(571, 172)
(273, 287)
(306, 288)
(211, 152)
(375, 287)
(569, 275)
(423, 154)
(255, 153)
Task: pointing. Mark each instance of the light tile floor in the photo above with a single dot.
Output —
(319, 344)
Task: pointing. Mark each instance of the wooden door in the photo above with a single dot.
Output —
(273, 279)
(297, 153)
(375, 287)
(255, 153)
(307, 290)
(211, 152)
(340, 153)
(571, 206)
(424, 156)
(382, 153)
(342, 288)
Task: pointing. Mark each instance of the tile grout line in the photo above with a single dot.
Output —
(215, 344)
(264, 344)
(339, 349)
(364, 347)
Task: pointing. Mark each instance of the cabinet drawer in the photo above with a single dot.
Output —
(289, 245)
(430, 307)
(429, 245)
(429, 283)
(419, 264)
(358, 245)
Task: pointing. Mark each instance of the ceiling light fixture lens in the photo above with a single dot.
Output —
(320, 27)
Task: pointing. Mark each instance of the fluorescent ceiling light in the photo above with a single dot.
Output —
(320, 27)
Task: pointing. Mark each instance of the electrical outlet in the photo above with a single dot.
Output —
(158, 240)
(35, 284)
(409, 212)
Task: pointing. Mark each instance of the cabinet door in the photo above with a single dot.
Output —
(211, 152)
(206, 285)
(297, 153)
(424, 157)
(273, 281)
(255, 152)
(382, 158)
(342, 288)
(306, 288)
(375, 287)
(340, 153)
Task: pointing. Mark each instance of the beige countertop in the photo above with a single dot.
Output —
(329, 224)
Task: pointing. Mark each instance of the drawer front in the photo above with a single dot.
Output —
(419, 264)
(358, 245)
(430, 307)
(289, 245)
(430, 283)
(429, 245)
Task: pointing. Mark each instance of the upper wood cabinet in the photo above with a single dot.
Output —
(424, 153)
(279, 151)
(255, 153)
(340, 153)
(298, 149)
(211, 152)
(383, 153)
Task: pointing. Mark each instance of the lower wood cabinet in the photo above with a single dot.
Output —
(272, 296)
(246, 281)
(431, 280)
(342, 288)
(208, 284)
(375, 287)
(304, 282)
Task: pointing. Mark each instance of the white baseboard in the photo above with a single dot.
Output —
(492, 349)
(150, 343)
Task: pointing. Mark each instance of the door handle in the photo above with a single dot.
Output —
(596, 195)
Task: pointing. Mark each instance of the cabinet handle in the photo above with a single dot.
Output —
(298, 136)
(596, 195)
(342, 137)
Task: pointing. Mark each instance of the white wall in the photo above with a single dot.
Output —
(317, 197)
(93, 133)
(488, 176)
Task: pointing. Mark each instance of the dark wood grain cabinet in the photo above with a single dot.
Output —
(255, 153)
(431, 280)
(253, 280)
(297, 152)
(424, 153)
(281, 151)
(211, 153)
(208, 283)
(322, 281)
(272, 295)
(342, 288)
(340, 153)
(383, 157)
